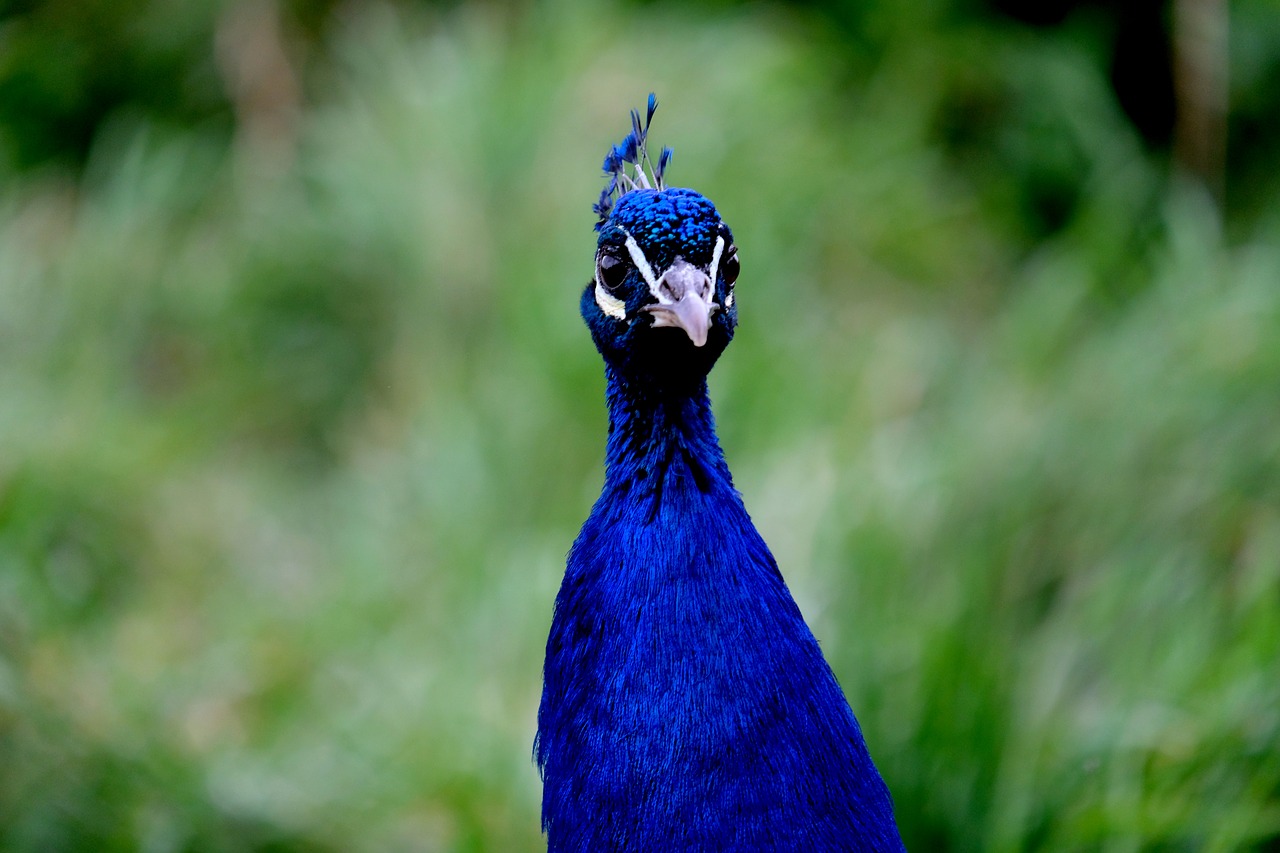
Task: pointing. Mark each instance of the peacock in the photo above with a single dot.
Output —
(686, 706)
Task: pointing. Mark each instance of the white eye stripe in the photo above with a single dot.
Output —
(615, 307)
(641, 262)
(715, 257)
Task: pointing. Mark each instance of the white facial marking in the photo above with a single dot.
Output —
(609, 304)
(715, 259)
(642, 263)
(617, 308)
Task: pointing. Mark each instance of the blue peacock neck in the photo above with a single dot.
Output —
(661, 434)
(686, 705)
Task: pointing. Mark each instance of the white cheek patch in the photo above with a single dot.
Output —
(610, 305)
(728, 301)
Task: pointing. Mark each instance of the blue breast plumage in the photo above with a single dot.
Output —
(686, 705)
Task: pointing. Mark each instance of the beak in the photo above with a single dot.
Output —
(684, 301)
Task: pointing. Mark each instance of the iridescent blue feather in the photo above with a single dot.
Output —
(632, 151)
(686, 706)
(663, 160)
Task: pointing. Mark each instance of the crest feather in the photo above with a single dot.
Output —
(632, 151)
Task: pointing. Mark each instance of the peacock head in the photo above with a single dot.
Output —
(661, 304)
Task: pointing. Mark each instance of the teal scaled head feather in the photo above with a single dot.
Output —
(686, 706)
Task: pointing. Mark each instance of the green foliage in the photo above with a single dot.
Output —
(296, 434)
(67, 65)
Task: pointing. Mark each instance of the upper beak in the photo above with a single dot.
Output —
(684, 300)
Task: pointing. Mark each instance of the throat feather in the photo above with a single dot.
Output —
(662, 441)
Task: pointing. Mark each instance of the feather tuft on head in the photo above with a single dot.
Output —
(632, 151)
(629, 148)
(663, 160)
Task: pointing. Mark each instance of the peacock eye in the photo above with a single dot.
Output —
(612, 272)
(731, 268)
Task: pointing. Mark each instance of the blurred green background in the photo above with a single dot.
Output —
(298, 418)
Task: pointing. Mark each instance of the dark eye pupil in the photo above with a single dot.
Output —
(613, 271)
(731, 269)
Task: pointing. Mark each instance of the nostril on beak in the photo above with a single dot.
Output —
(684, 301)
(683, 278)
